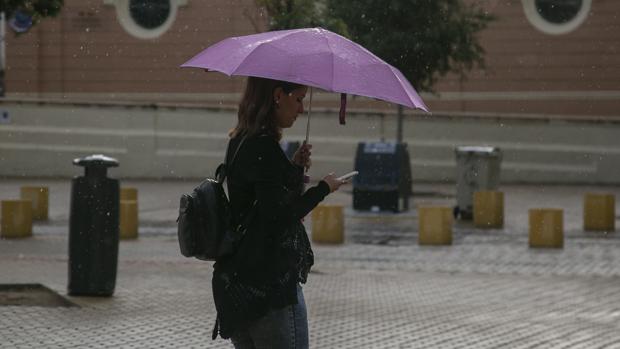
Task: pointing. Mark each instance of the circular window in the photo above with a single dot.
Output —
(149, 14)
(146, 19)
(556, 16)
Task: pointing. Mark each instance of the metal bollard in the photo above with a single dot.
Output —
(128, 193)
(93, 229)
(599, 212)
(488, 209)
(328, 224)
(16, 219)
(546, 227)
(435, 225)
(40, 201)
(128, 219)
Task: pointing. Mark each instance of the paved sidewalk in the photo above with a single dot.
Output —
(378, 290)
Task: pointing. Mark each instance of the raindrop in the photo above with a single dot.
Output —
(87, 30)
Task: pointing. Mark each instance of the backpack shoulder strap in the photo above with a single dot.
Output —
(221, 171)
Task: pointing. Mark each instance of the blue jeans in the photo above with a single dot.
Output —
(285, 328)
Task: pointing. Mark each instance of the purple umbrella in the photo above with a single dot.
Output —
(313, 57)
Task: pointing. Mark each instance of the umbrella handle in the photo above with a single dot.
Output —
(309, 113)
(306, 177)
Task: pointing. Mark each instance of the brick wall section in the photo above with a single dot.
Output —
(85, 51)
(520, 58)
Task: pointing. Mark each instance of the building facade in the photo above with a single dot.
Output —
(543, 57)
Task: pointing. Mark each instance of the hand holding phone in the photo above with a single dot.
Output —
(335, 182)
(347, 176)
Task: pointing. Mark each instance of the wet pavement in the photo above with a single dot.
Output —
(379, 289)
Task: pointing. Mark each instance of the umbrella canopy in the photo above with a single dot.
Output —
(313, 57)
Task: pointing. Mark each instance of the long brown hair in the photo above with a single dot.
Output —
(257, 107)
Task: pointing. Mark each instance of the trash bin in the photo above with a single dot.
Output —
(384, 179)
(289, 148)
(93, 228)
(477, 168)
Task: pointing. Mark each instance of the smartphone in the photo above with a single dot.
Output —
(347, 176)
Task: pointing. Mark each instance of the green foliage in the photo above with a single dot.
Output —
(291, 14)
(38, 9)
(425, 39)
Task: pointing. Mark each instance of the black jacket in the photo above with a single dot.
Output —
(265, 270)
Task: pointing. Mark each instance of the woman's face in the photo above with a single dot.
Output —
(288, 105)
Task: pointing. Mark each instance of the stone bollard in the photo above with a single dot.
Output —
(435, 225)
(40, 201)
(489, 209)
(16, 219)
(128, 219)
(328, 224)
(128, 193)
(546, 227)
(599, 212)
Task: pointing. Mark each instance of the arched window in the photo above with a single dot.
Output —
(146, 19)
(556, 16)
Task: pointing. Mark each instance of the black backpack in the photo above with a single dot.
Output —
(205, 224)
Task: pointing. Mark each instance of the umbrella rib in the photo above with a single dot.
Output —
(411, 98)
(260, 44)
(333, 62)
(401, 84)
(247, 58)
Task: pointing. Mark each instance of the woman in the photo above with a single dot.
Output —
(257, 290)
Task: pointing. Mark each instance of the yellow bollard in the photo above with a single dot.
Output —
(128, 220)
(435, 225)
(16, 219)
(40, 201)
(546, 227)
(328, 224)
(129, 194)
(599, 212)
(489, 209)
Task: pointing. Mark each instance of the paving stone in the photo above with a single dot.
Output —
(378, 290)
